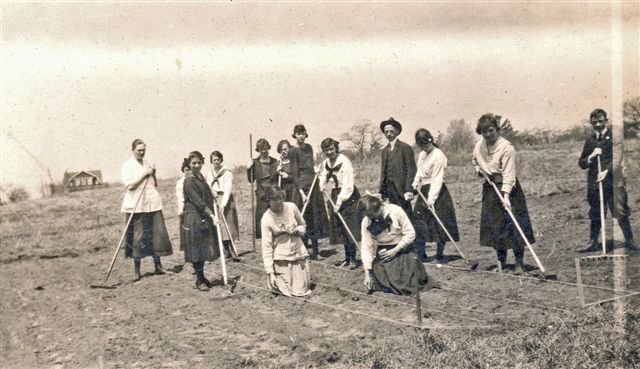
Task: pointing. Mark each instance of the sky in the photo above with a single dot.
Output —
(81, 80)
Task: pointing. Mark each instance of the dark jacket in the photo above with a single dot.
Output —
(197, 195)
(606, 159)
(399, 165)
(302, 166)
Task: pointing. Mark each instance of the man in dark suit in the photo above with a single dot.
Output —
(398, 168)
(602, 143)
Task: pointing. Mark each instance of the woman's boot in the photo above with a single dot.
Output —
(136, 270)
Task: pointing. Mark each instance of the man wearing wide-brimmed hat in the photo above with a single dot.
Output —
(398, 167)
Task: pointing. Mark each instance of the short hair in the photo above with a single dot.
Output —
(328, 142)
(217, 154)
(596, 112)
(487, 119)
(273, 193)
(299, 128)
(135, 143)
(282, 143)
(262, 144)
(195, 154)
(185, 165)
(369, 204)
(424, 137)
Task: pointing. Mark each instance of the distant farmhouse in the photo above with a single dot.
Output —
(82, 180)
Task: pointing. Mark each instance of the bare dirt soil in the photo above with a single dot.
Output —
(54, 249)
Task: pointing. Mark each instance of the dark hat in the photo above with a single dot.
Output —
(299, 128)
(393, 123)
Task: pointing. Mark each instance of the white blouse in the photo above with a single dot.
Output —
(344, 177)
(277, 242)
(150, 201)
(180, 195)
(499, 158)
(401, 233)
(431, 171)
(224, 183)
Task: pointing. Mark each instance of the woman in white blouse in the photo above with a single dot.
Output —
(336, 171)
(429, 180)
(220, 179)
(285, 257)
(388, 255)
(147, 234)
(495, 157)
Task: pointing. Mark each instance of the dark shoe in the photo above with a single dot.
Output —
(354, 263)
(519, 269)
(136, 274)
(343, 263)
(208, 283)
(423, 258)
(159, 269)
(202, 285)
(631, 245)
(442, 259)
(591, 247)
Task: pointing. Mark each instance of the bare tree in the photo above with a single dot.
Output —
(459, 137)
(364, 138)
(631, 117)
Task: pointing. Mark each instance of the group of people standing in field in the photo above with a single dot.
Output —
(298, 204)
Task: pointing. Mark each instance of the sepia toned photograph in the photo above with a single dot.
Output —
(319, 184)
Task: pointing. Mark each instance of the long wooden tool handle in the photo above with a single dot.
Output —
(253, 208)
(220, 247)
(433, 211)
(344, 223)
(226, 225)
(515, 222)
(306, 203)
(602, 220)
(124, 233)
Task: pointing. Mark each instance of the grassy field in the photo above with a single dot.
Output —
(54, 248)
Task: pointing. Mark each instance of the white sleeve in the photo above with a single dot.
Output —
(227, 187)
(437, 177)
(267, 244)
(368, 250)
(347, 182)
(419, 170)
(508, 169)
(129, 174)
(322, 175)
(408, 232)
(180, 196)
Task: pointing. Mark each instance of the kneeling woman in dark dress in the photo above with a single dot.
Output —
(388, 256)
(200, 241)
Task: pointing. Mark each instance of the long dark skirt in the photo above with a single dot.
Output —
(401, 274)
(231, 216)
(147, 236)
(496, 228)
(181, 217)
(351, 215)
(426, 224)
(261, 208)
(316, 215)
(200, 239)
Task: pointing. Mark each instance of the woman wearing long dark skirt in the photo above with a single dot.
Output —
(495, 157)
(201, 243)
(220, 179)
(302, 166)
(264, 171)
(147, 233)
(336, 172)
(388, 254)
(429, 180)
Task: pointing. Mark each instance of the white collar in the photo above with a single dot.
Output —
(601, 134)
(392, 144)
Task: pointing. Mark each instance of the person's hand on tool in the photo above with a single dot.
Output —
(304, 197)
(271, 280)
(430, 202)
(602, 175)
(387, 255)
(336, 206)
(597, 151)
(368, 281)
(408, 196)
(214, 219)
(506, 201)
(284, 175)
(416, 186)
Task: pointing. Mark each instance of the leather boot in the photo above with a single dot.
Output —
(631, 245)
(592, 246)
(440, 253)
(159, 270)
(229, 251)
(354, 261)
(519, 269)
(136, 270)
(314, 251)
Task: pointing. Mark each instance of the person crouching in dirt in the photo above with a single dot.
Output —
(337, 170)
(285, 257)
(495, 157)
(221, 181)
(602, 143)
(429, 181)
(200, 240)
(147, 234)
(388, 253)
